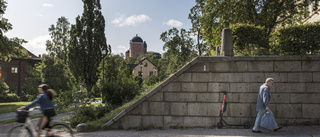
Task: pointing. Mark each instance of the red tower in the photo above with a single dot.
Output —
(137, 47)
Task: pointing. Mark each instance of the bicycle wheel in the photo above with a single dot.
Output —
(20, 131)
(61, 130)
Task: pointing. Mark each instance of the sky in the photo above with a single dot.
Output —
(124, 20)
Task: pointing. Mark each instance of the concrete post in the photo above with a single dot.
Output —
(226, 43)
(218, 50)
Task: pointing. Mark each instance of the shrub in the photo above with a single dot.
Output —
(299, 39)
(249, 38)
(150, 80)
(85, 114)
(11, 97)
(120, 91)
(4, 88)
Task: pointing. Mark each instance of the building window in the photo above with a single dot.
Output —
(140, 73)
(14, 69)
(146, 65)
(150, 73)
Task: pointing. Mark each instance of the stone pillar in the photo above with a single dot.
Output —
(226, 43)
(218, 50)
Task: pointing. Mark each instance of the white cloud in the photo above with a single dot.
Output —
(120, 49)
(37, 45)
(130, 21)
(173, 23)
(47, 5)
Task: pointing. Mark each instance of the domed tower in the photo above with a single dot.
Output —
(137, 47)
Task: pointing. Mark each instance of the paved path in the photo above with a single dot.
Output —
(291, 131)
(308, 131)
(13, 115)
(4, 129)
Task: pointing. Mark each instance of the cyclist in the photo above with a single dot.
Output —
(46, 106)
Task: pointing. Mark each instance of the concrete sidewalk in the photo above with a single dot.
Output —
(290, 131)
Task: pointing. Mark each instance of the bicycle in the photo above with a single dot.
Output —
(27, 129)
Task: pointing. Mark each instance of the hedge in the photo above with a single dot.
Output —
(299, 39)
(249, 38)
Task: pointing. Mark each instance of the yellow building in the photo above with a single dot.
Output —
(144, 69)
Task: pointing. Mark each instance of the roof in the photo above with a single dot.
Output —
(142, 61)
(31, 55)
(136, 39)
(131, 65)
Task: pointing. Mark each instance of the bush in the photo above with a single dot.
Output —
(120, 91)
(298, 39)
(249, 38)
(4, 88)
(85, 114)
(11, 97)
(150, 80)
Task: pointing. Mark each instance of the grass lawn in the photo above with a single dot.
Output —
(11, 106)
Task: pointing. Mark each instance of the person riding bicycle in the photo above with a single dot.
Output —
(46, 106)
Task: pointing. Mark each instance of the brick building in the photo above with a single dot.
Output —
(137, 47)
(14, 72)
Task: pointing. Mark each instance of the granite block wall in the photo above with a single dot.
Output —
(192, 97)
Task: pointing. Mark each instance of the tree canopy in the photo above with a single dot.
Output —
(266, 13)
(60, 35)
(195, 16)
(179, 49)
(9, 47)
(87, 40)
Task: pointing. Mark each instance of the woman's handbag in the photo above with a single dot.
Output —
(268, 121)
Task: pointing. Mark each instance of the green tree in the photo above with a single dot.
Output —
(117, 83)
(60, 35)
(195, 16)
(9, 47)
(50, 71)
(55, 73)
(33, 81)
(265, 13)
(87, 40)
(179, 49)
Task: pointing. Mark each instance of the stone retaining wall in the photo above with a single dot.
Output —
(192, 97)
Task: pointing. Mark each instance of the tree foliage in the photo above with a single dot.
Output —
(60, 35)
(179, 49)
(9, 47)
(4, 88)
(50, 71)
(87, 40)
(195, 16)
(250, 40)
(116, 83)
(298, 39)
(33, 81)
(265, 13)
